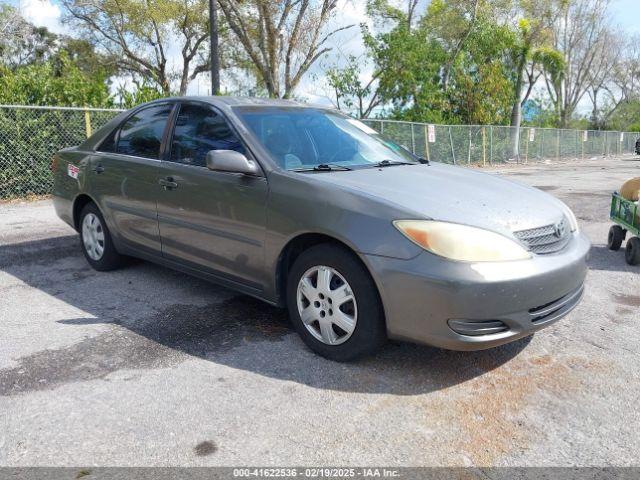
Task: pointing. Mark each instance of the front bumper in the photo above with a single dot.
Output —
(427, 297)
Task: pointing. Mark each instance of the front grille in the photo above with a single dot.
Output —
(547, 239)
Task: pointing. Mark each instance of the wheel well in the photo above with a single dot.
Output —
(78, 204)
(293, 249)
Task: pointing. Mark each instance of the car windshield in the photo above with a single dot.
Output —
(306, 138)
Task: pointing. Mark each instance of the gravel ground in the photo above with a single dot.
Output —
(146, 366)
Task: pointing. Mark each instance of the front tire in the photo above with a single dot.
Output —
(632, 252)
(616, 237)
(334, 304)
(97, 245)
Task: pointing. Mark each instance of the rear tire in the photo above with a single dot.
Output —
(616, 237)
(97, 245)
(632, 252)
(343, 321)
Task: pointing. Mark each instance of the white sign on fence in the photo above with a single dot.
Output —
(532, 134)
(622, 136)
(585, 136)
(431, 129)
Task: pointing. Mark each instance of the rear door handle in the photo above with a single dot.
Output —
(168, 183)
(98, 169)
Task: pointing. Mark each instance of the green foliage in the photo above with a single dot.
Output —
(482, 82)
(545, 115)
(626, 117)
(350, 92)
(142, 92)
(412, 58)
(407, 63)
(58, 81)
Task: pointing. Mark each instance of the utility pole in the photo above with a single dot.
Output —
(215, 57)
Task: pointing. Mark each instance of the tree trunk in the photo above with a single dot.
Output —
(516, 120)
(184, 79)
(516, 111)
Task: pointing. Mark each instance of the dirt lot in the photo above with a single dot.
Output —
(146, 366)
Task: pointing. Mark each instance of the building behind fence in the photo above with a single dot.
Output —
(29, 136)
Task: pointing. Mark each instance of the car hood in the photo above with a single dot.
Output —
(454, 194)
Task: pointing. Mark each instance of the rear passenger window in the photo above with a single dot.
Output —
(141, 134)
(198, 130)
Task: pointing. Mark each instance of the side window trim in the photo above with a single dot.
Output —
(167, 136)
(118, 128)
(174, 119)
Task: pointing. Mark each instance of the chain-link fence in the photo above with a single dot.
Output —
(488, 145)
(29, 136)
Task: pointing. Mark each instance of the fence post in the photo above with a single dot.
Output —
(453, 154)
(558, 147)
(526, 148)
(469, 148)
(484, 147)
(87, 122)
(491, 144)
(413, 140)
(426, 143)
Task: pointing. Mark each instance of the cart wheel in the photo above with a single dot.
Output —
(632, 253)
(616, 236)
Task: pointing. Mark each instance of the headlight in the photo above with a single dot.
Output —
(461, 242)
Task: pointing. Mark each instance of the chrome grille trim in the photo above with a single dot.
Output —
(546, 239)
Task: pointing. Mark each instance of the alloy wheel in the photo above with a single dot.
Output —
(93, 236)
(327, 305)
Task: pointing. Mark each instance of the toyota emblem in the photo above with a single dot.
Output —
(559, 230)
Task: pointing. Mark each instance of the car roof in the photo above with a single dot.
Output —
(226, 101)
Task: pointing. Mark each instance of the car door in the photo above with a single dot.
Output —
(125, 177)
(210, 220)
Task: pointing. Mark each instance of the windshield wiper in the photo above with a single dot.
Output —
(327, 167)
(389, 163)
(323, 167)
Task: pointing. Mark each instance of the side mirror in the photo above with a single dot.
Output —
(231, 161)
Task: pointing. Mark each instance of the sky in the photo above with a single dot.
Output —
(625, 13)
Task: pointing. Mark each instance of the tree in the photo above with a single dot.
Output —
(408, 64)
(580, 32)
(141, 34)
(481, 88)
(22, 43)
(350, 91)
(616, 81)
(456, 20)
(448, 63)
(282, 39)
(532, 55)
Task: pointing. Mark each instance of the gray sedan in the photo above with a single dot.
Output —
(309, 209)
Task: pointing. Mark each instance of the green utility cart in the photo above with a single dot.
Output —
(626, 216)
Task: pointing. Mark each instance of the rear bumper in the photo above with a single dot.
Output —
(472, 306)
(64, 209)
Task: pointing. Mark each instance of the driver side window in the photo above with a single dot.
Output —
(198, 130)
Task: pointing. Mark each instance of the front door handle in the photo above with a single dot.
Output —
(168, 183)
(98, 169)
